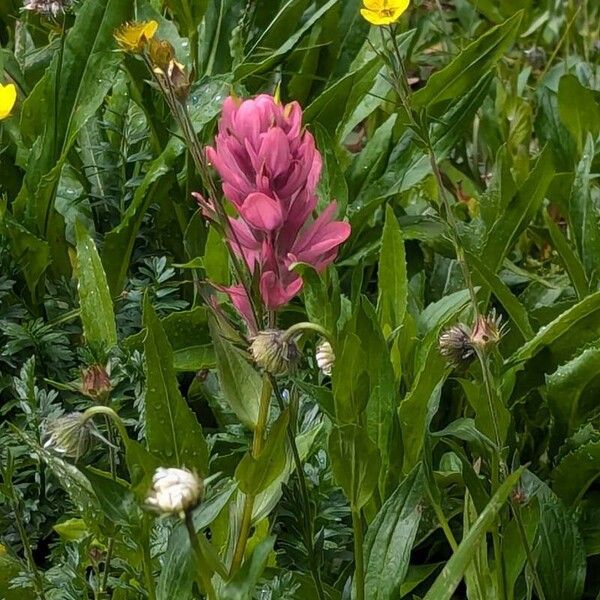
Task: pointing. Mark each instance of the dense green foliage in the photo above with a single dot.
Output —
(471, 190)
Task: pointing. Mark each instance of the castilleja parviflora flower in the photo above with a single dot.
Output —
(270, 168)
(174, 491)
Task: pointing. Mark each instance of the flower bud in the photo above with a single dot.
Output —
(95, 383)
(325, 357)
(487, 331)
(161, 53)
(273, 352)
(455, 345)
(178, 79)
(174, 491)
(69, 435)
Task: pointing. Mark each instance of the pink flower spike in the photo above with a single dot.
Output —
(270, 168)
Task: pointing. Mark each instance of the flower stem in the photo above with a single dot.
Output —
(307, 512)
(39, 582)
(305, 326)
(203, 575)
(359, 566)
(113, 472)
(257, 443)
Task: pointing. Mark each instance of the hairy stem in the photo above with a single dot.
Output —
(257, 444)
(307, 512)
(202, 574)
(359, 568)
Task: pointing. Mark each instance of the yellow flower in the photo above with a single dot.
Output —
(8, 97)
(383, 12)
(133, 37)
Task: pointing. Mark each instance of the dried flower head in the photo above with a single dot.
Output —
(161, 53)
(47, 8)
(325, 357)
(69, 435)
(174, 491)
(455, 345)
(8, 97)
(95, 383)
(178, 79)
(274, 352)
(383, 12)
(133, 37)
(487, 331)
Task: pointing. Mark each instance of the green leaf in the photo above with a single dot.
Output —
(176, 576)
(470, 65)
(392, 279)
(578, 109)
(73, 87)
(350, 380)
(519, 213)
(571, 393)
(447, 581)
(390, 537)
(172, 430)
(583, 209)
(253, 68)
(568, 257)
(240, 382)
(31, 254)
(97, 314)
(576, 473)
(516, 311)
(355, 462)
(119, 242)
(255, 474)
(243, 583)
(561, 562)
(584, 318)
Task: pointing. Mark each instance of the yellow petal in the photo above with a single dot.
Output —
(8, 97)
(134, 36)
(385, 16)
(374, 4)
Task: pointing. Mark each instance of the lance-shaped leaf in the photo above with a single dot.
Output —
(172, 430)
(97, 314)
(256, 473)
(355, 462)
(470, 65)
(447, 581)
(390, 538)
(391, 279)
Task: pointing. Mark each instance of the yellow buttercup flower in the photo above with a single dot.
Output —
(383, 12)
(133, 37)
(8, 97)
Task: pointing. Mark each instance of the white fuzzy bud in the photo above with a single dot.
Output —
(325, 357)
(174, 491)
